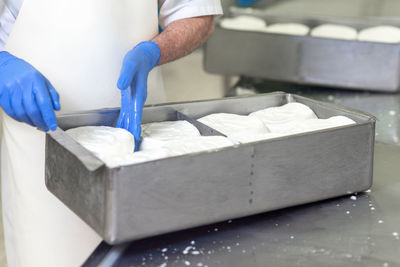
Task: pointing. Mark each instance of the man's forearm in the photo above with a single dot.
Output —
(181, 37)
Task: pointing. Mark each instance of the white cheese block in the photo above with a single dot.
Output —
(171, 148)
(155, 134)
(232, 124)
(104, 141)
(168, 139)
(334, 31)
(243, 23)
(137, 157)
(148, 143)
(198, 144)
(288, 28)
(168, 130)
(381, 34)
(278, 119)
(319, 124)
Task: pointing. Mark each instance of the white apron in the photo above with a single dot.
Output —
(79, 46)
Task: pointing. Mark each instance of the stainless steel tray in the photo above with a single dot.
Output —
(305, 59)
(138, 201)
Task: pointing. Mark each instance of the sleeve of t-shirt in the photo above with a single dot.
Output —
(172, 10)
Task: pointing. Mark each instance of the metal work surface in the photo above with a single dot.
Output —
(348, 231)
(358, 231)
(305, 59)
(137, 201)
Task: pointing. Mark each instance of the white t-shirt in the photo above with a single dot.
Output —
(170, 10)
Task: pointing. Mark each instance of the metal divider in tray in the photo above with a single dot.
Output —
(306, 59)
(137, 201)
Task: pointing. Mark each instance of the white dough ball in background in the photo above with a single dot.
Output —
(104, 141)
(288, 28)
(168, 130)
(243, 23)
(232, 124)
(334, 31)
(278, 119)
(381, 34)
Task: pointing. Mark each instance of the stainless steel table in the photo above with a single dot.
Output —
(356, 230)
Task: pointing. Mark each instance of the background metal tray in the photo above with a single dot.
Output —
(161, 196)
(379, 11)
(305, 59)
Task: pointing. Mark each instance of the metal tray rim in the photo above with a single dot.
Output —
(290, 97)
(336, 106)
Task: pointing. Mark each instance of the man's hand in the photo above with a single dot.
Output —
(26, 95)
(133, 85)
(183, 36)
(178, 39)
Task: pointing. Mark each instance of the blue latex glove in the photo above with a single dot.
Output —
(25, 94)
(133, 85)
